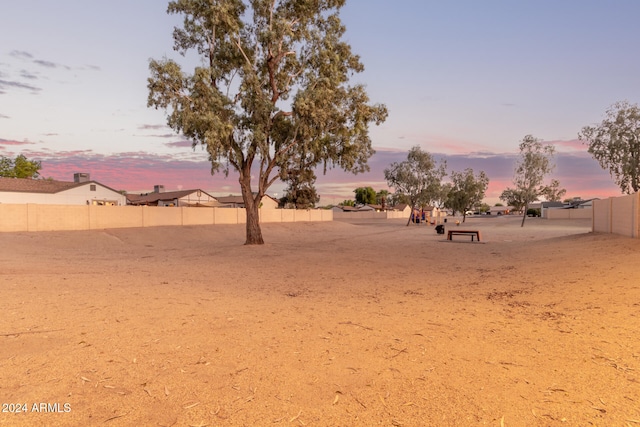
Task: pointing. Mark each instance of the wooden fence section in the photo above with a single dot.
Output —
(36, 217)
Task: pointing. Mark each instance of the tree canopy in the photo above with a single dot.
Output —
(274, 82)
(20, 167)
(301, 192)
(366, 195)
(534, 164)
(615, 144)
(417, 179)
(467, 190)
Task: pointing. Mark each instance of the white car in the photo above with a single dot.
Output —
(468, 213)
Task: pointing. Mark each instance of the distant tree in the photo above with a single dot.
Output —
(20, 167)
(467, 191)
(441, 195)
(347, 203)
(615, 144)
(553, 192)
(299, 174)
(513, 198)
(365, 195)
(417, 179)
(498, 204)
(534, 164)
(273, 81)
(382, 198)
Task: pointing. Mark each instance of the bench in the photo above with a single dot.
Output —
(472, 233)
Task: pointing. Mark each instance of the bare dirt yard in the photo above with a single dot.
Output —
(354, 323)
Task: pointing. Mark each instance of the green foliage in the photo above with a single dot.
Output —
(365, 195)
(301, 192)
(467, 191)
(348, 203)
(534, 164)
(20, 167)
(553, 192)
(615, 144)
(273, 83)
(382, 198)
(514, 198)
(417, 179)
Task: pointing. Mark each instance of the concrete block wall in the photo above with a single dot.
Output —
(569, 213)
(618, 215)
(35, 217)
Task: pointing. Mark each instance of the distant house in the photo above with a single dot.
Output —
(81, 191)
(359, 208)
(578, 203)
(159, 197)
(267, 202)
(500, 210)
(404, 208)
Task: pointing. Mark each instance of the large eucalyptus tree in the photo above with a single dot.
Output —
(273, 83)
(615, 144)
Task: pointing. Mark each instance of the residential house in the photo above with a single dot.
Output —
(500, 210)
(81, 191)
(159, 197)
(402, 207)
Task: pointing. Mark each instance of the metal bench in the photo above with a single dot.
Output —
(472, 233)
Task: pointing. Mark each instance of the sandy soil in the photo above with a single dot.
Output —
(328, 324)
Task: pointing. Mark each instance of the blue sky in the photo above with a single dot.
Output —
(465, 80)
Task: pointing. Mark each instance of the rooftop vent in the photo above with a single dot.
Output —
(158, 188)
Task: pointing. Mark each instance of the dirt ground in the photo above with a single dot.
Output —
(327, 324)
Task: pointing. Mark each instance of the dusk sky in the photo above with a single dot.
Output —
(465, 80)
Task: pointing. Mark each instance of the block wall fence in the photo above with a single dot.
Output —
(36, 217)
(618, 215)
(569, 213)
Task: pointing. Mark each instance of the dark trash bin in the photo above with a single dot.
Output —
(440, 229)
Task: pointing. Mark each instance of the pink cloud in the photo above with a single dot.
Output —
(140, 171)
(571, 145)
(5, 142)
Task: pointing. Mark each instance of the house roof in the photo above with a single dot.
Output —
(230, 199)
(552, 204)
(238, 199)
(168, 195)
(43, 186)
(400, 207)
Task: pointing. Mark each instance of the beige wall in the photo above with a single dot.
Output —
(370, 215)
(569, 213)
(33, 217)
(618, 215)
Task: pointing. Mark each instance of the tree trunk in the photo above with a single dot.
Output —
(411, 215)
(524, 215)
(254, 233)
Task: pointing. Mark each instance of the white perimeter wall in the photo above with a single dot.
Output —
(35, 217)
